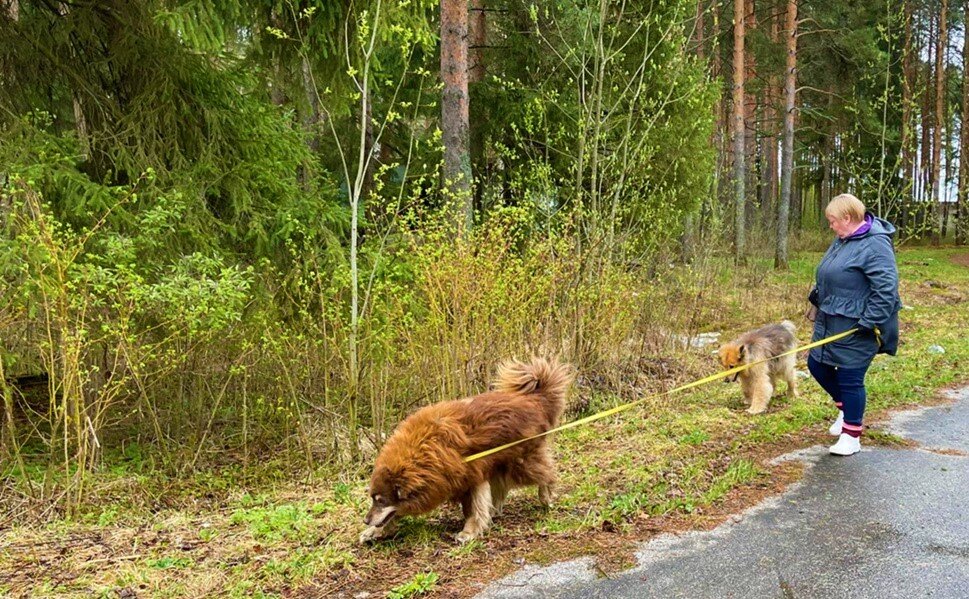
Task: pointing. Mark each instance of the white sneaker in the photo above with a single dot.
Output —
(846, 445)
(835, 429)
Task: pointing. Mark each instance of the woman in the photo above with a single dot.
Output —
(855, 287)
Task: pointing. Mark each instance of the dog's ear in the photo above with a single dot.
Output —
(401, 487)
(404, 489)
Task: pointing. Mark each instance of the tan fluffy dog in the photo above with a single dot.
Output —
(422, 464)
(758, 382)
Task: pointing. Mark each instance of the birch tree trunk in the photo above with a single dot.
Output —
(721, 138)
(961, 223)
(925, 180)
(907, 84)
(688, 239)
(936, 203)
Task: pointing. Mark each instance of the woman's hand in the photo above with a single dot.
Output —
(812, 313)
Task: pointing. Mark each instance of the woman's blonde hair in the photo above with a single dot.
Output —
(846, 205)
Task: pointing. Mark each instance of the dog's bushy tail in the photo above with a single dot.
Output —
(790, 326)
(549, 379)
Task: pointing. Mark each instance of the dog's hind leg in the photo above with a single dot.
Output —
(499, 490)
(538, 469)
(790, 376)
(478, 513)
(546, 495)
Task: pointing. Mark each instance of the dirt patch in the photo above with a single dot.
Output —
(921, 287)
(960, 259)
(946, 451)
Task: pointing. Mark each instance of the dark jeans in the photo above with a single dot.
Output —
(845, 386)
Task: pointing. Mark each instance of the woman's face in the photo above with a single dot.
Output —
(842, 226)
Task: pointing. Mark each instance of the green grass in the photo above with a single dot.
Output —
(421, 584)
(880, 437)
(738, 473)
(466, 549)
(278, 522)
(304, 564)
(695, 437)
(165, 563)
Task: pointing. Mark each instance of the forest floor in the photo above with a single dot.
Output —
(679, 463)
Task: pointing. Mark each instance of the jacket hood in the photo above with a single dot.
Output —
(879, 226)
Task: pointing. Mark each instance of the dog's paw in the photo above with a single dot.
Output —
(753, 411)
(546, 497)
(465, 537)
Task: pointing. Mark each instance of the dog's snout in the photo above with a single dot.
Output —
(380, 516)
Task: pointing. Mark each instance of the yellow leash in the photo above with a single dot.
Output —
(626, 406)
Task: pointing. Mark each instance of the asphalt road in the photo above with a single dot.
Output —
(882, 523)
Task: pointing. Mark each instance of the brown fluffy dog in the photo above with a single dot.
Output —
(758, 382)
(422, 464)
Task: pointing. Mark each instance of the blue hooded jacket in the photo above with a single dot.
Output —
(856, 285)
